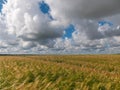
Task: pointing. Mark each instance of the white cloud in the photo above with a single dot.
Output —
(25, 20)
(25, 29)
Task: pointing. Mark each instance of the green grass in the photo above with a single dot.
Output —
(65, 72)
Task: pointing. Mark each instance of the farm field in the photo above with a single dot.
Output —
(60, 72)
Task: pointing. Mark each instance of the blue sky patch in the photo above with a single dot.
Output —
(44, 7)
(1, 2)
(102, 23)
(68, 31)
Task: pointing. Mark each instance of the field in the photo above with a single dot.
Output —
(63, 72)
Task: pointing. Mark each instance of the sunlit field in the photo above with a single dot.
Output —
(52, 72)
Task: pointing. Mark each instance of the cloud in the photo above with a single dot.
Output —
(84, 8)
(24, 28)
(85, 15)
(25, 21)
(94, 31)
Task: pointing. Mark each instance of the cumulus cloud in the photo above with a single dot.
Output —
(25, 20)
(24, 28)
(85, 15)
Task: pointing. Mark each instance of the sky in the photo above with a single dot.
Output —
(59, 27)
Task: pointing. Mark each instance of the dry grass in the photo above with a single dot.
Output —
(70, 72)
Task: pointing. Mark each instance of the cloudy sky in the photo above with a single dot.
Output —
(59, 26)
